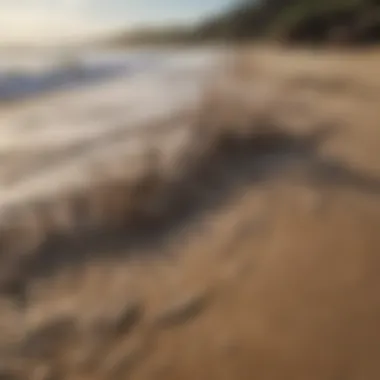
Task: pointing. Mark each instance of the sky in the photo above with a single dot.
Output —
(40, 21)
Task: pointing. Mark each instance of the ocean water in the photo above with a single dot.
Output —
(112, 104)
(24, 75)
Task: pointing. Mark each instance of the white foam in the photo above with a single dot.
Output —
(98, 118)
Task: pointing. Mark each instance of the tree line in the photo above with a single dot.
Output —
(288, 21)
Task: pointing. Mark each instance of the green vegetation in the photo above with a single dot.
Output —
(316, 21)
(308, 20)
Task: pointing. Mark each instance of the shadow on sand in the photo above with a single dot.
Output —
(224, 168)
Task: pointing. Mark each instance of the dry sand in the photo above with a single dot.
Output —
(261, 261)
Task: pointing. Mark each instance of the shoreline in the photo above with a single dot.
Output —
(257, 240)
